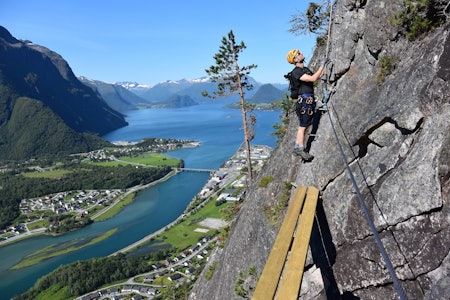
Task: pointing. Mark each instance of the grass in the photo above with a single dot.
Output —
(56, 291)
(265, 181)
(387, 66)
(54, 174)
(274, 212)
(116, 208)
(210, 271)
(148, 158)
(106, 163)
(182, 235)
(37, 224)
(152, 159)
(55, 250)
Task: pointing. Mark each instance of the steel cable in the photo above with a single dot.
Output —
(385, 256)
(381, 248)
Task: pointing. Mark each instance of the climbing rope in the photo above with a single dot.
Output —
(381, 248)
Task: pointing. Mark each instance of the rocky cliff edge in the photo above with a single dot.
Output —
(394, 131)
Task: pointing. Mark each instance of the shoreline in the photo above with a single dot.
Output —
(175, 171)
(42, 230)
(180, 217)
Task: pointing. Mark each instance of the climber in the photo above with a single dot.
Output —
(302, 89)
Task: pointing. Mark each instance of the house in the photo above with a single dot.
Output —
(187, 263)
(126, 289)
(233, 198)
(175, 277)
(228, 195)
(91, 296)
(193, 248)
(153, 291)
(189, 271)
(240, 182)
(167, 262)
(149, 277)
(221, 175)
(157, 266)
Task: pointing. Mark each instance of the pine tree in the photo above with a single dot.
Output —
(233, 79)
(314, 20)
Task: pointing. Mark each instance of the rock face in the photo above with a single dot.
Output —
(393, 130)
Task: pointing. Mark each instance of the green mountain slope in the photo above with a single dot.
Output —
(34, 129)
(63, 111)
(267, 93)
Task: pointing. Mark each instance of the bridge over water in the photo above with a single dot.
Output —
(195, 170)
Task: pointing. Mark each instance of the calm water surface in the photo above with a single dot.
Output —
(219, 131)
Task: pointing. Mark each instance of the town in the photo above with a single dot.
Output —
(225, 185)
(221, 186)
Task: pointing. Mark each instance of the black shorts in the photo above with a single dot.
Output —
(304, 109)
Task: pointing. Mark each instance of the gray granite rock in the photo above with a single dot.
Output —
(395, 136)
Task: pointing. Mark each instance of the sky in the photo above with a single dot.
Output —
(152, 41)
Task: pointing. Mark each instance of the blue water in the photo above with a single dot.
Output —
(220, 132)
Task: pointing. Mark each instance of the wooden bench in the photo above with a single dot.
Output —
(282, 275)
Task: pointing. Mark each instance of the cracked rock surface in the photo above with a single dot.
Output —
(395, 137)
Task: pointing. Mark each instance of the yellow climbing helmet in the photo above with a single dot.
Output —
(291, 55)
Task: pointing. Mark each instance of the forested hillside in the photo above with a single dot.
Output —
(44, 109)
(16, 187)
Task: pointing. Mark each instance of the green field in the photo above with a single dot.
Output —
(37, 224)
(148, 159)
(183, 235)
(47, 174)
(116, 208)
(151, 159)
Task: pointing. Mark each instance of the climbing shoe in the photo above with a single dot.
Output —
(303, 154)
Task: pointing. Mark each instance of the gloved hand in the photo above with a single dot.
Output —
(324, 62)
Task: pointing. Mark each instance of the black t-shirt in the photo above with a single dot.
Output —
(299, 87)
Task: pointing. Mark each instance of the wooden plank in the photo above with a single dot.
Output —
(293, 273)
(268, 281)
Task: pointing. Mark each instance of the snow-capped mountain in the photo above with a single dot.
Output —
(133, 85)
(136, 88)
(117, 97)
(166, 91)
(184, 87)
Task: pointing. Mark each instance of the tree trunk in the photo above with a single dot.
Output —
(246, 137)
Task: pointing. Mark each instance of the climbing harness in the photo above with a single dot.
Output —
(381, 248)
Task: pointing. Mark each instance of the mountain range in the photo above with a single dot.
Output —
(176, 93)
(46, 110)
